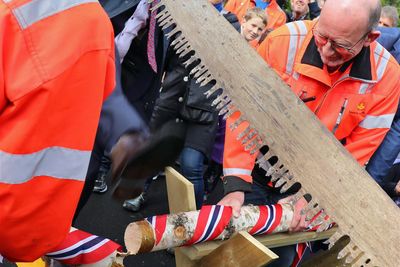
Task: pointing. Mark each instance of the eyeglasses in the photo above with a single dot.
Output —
(322, 40)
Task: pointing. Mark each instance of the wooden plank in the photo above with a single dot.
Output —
(241, 250)
(271, 241)
(180, 192)
(182, 259)
(313, 155)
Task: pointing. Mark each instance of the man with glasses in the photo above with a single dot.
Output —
(348, 80)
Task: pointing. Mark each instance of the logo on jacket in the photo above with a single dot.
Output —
(361, 106)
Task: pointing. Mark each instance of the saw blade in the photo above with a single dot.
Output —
(307, 152)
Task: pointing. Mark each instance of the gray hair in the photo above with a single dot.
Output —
(391, 13)
(374, 16)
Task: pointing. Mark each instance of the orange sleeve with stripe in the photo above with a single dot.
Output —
(237, 162)
(363, 141)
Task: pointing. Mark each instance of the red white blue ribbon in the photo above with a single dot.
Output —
(80, 247)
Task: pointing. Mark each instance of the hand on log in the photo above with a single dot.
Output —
(234, 200)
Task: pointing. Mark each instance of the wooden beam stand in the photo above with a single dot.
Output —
(228, 252)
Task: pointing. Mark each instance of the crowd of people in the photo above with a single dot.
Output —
(118, 81)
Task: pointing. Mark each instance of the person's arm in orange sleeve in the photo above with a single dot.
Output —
(274, 51)
(237, 167)
(368, 135)
(230, 6)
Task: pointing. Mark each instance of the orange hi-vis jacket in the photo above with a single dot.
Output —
(364, 93)
(275, 15)
(57, 67)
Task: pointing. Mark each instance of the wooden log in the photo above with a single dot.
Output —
(210, 223)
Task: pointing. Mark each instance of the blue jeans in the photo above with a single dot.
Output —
(192, 165)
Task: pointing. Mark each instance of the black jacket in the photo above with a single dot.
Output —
(183, 100)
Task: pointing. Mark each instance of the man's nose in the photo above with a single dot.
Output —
(327, 49)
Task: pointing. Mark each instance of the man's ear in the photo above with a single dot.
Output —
(372, 36)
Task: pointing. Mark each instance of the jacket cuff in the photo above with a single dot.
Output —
(234, 183)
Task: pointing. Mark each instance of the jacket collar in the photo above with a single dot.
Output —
(310, 63)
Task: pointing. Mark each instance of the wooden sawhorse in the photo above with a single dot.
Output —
(241, 250)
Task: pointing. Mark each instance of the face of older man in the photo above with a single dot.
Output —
(299, 6)
(386, 22)
(341, 32)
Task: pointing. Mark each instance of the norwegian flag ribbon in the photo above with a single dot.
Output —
(159, 224)
(80, 247)
(269, 219)
(211, 223)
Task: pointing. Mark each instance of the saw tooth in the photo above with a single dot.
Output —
(334, 238)
(160, 4)
(280, 182)
(211, 91)
(270, 171)
(160, 15)
(190, 61)
(185, 52)
(279, 173)
(343, 253)
(224, 102)
(250, 136)
(263, 161)
(183, 48)
(364, 260)
(312, 205)
(203, 77)
(236, 123)
(201, 71)
(255, 144)
(166, 24)
(231, 110)
(219, 99)
(244, 133)
(257, 147)
(163, 17)
(207, 80)
(180, 44)
(354, 254)
(318, 220)
(325, 225)
(223, 111)
(195, 69)
(289, 183)
(177, 40)
(172, 32)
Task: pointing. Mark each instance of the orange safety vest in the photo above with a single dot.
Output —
(275, 15)
(364, 94)
(57, 67)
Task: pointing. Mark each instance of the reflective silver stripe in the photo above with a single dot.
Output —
(377, 52)
(37, 10)
(57, 162)
(292, 47)
(363, 88)
(236, 171)
(374, 122)
(382, 66)
(303, 30)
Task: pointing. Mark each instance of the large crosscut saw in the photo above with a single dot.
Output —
(308, 153)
